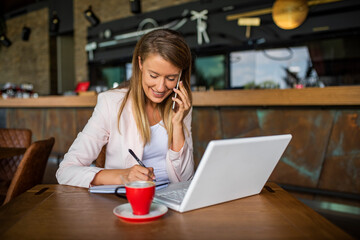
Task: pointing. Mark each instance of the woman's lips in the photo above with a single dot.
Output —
(158, 94)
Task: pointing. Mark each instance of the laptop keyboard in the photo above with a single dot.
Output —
(176, 195)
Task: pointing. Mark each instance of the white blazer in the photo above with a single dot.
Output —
(102, 128)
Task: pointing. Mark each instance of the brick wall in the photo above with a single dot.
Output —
(27, 61)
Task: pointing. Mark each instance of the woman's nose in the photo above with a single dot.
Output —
(161, 86)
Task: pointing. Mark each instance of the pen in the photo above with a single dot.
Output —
(177, 87)
(136, 158)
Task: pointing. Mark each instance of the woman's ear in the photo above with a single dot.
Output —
(140, 65)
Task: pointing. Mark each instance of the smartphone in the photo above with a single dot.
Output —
(177, 87)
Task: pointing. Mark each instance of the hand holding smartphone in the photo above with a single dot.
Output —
(177, 87)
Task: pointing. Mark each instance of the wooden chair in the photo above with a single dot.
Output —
(11, 137)
(31, 168)
(16, 139)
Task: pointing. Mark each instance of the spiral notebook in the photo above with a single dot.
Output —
(111, 188)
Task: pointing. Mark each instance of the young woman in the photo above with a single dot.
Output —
(140, 117)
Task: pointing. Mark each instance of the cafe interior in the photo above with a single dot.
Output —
(260, 68)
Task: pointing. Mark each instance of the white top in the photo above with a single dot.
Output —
(155, 152)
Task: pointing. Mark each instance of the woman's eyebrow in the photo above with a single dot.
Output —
(154, 72)
(170, 75)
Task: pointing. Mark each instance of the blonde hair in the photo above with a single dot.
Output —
(171, 46)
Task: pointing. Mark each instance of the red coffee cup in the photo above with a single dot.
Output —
(140, 195)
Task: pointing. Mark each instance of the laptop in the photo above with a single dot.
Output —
(228, 170)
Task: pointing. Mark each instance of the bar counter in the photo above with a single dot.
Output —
(323, 154)
(328, 96)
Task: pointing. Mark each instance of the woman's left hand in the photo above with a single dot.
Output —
(182, 105)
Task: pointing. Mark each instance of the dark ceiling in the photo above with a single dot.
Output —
(7, 6)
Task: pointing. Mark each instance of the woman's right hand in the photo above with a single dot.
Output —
(138, 173)
(121, 176)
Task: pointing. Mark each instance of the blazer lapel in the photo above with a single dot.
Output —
(132, 138)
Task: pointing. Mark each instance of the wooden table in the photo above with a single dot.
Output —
(64, 212)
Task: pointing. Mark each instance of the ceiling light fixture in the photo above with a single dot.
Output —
(4, 40)
(135, 6)
(25, 34)
(54, 23)
(91, 17)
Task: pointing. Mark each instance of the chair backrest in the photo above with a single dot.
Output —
(12, 138)
(31, 168)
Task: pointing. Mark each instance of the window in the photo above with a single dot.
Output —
(316, 63)
(210, 72)
(272, 68)
(109, 75)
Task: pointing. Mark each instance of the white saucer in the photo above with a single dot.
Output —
(124, 211)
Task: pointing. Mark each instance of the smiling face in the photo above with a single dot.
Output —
(159, 77)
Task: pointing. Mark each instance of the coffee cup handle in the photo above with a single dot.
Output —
(121, 195)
